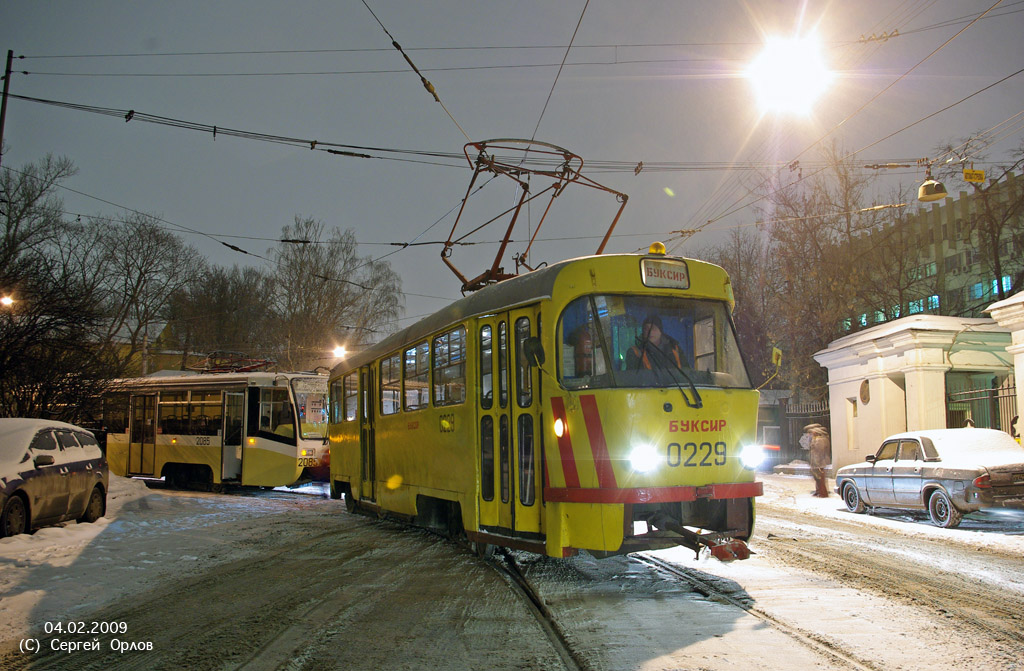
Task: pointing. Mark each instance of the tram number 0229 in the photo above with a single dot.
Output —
(696, 454)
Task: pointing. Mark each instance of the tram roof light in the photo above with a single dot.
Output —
(657, 248)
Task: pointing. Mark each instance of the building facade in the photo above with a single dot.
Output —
(965, 253)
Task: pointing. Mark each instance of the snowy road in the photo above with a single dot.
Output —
(279, 580)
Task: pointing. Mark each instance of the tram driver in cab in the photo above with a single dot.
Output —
(654, 348)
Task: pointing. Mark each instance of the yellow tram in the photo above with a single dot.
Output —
(539, 414)
(212, 429)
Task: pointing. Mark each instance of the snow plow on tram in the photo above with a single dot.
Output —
(599, 404)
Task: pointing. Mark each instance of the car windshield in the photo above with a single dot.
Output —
(311, 401)
(648, 341)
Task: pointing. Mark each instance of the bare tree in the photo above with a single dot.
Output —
(325, 294)
(52, 360)
(223, 310)
(747, 257)
(817, 230)
(32, 213)
(896, 278)
(144, 265)
(997, 220)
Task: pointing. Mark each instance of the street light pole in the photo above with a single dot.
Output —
(3, 102)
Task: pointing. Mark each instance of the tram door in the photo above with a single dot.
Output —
(527, 469)
(234, 419)
(142, 439)
(493, 432)
(367, 440)
(508, 403)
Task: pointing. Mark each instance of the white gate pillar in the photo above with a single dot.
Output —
(1009, 314)
(926, 398)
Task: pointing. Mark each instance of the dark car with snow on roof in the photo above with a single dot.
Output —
(50, 472)
(948, 472)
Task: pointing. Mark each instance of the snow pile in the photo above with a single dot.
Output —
(63, 572)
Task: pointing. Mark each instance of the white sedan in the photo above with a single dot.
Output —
(948, 472)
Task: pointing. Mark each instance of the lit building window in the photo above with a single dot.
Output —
(933, 302)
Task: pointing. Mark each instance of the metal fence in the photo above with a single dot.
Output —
(989, 407)
(795, 416)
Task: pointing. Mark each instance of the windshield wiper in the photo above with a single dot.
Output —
(697, 402)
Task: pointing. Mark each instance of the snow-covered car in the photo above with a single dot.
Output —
(948, 472)
(49, 472)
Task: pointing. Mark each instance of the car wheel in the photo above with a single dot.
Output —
(97, 506)
(851, 497)
(942, 511)
(14, 520)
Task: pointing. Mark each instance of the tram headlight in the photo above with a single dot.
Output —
(559, 427)
(752, 456)
(644, 458)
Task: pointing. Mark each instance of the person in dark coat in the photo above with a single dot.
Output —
(654, 349)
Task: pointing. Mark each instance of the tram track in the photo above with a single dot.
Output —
(974, 603)
(810, 640)
(505, 564)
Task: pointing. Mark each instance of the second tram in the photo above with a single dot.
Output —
(208, 430)
(599, 403)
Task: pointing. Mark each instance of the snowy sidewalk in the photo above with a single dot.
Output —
(997, 528)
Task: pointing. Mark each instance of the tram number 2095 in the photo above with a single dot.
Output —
(696, 454)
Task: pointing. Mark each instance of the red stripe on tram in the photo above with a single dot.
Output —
(602, 462)
(572, 476)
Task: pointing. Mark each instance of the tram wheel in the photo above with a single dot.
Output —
(483, 550)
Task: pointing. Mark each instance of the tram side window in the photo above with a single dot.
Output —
(351, 396)
(450, 367)
(391, 385)
(115, 412)
(502, 364)
(582, 363)
(336, 401)
(487, 458)
(173, 413)
(524, 378)
(486, 369)
(417, 377)
(276, 412)
(205, 413)
(527, 465)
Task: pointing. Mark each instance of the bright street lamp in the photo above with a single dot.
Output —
(7, 301)
(340, 352)
(789, 75)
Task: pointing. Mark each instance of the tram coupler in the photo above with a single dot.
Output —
(723, 547)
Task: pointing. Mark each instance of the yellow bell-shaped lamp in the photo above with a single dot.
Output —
(931, 190)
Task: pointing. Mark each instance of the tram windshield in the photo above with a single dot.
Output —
(648, 341)
(311, 404)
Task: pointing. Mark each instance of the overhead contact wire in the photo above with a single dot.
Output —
(426, 83)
